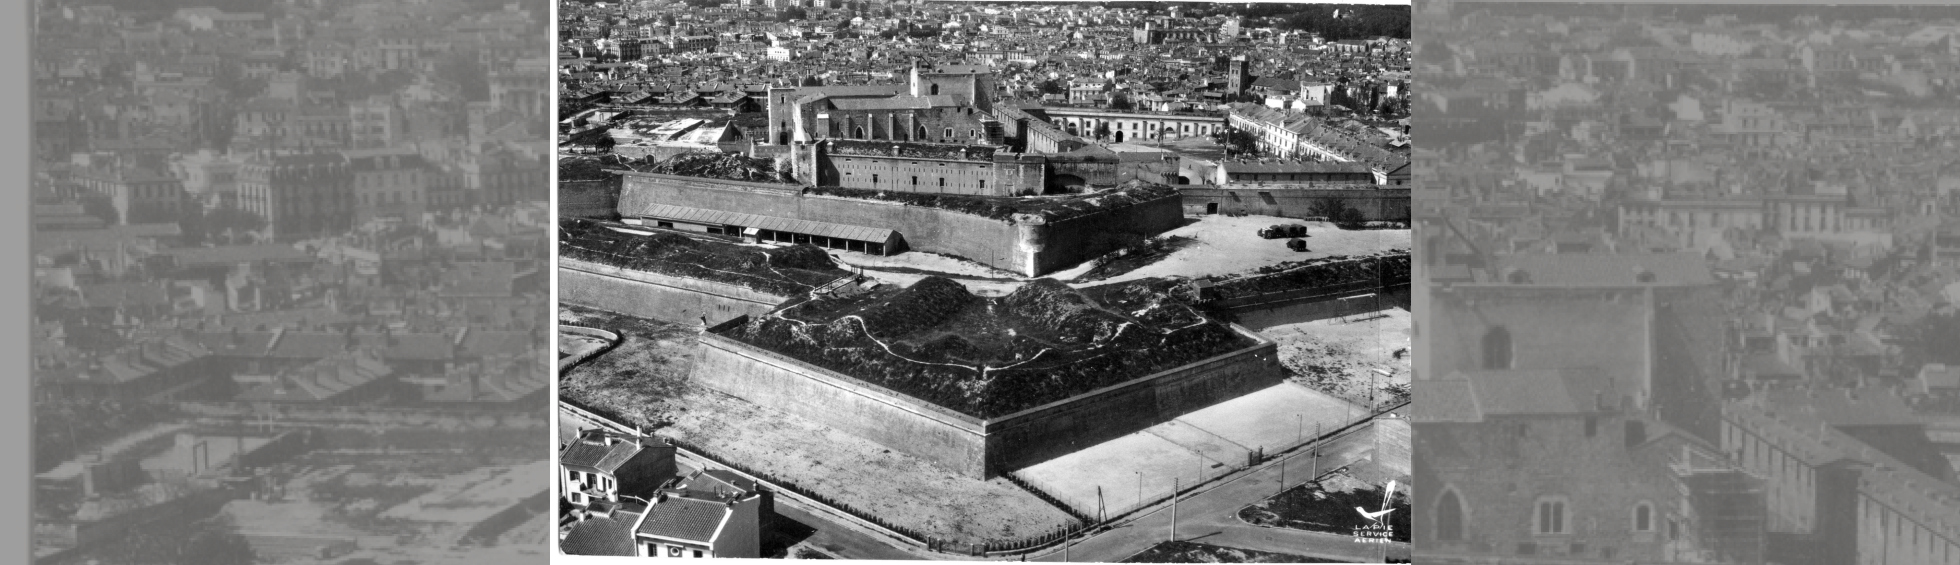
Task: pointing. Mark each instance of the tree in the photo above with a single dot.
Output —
(1102, 130)
(1120, 101)
(792, 13)
(1052, 86)
(1339, 97)
(1237, 140)
(1338, 212)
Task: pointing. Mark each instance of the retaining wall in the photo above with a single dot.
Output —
(945, 438)
(656, 296)
(1293, 311)
(1018, 247)
(1065, 426)
(1067, 243)
(972, 446)
(1384, 204)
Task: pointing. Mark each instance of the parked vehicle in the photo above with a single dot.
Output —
(1280, 231)
(1297, 244)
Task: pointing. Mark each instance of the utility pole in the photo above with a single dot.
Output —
(1174, 489)
(1315, 454)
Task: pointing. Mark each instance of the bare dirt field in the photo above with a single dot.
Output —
(1206, 245)
(1224, 245)
(638, 378)
(898, 487)
(1189, 449)
(645, 381)
(1337, 356)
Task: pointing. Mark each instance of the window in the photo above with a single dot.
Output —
(1449, 517)
(942, 182)
(915, 181)
(673, 551)
(1551, 516)
(1643, 517)
(697, 553)
(934, 90)
(949, 133)
(1497, 349)
(983, 185)
(874, 178)
(1592, 426)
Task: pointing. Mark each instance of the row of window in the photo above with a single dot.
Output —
(389, 198)
(1551, 516)
(915, 181)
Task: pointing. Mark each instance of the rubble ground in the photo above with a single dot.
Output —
(636, 379)
(645, 381)
(1336, 357)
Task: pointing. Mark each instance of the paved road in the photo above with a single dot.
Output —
(843, 541)
(1212, 516)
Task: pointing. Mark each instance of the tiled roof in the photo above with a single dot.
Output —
(718, 481)
(1301, 167)
(321, 380)
(234, 254)
(1846, 407)
(685, 519)
(1611, 269)
(611, 535)
(592, 452)
(893, 103)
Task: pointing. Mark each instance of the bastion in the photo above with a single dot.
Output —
(983, 386)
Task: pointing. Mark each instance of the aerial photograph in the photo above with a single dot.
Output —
(1687, 284)
(291, 296)
(1038, 281)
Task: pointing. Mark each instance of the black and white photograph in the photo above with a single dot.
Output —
(1036, 281)
(1686, 284)
(290, 282)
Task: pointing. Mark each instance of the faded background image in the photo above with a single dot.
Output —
(1686, 282)
(289, 287)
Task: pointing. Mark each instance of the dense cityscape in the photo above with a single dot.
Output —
(1039, 281)
(290, 286)
(1703, 253)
